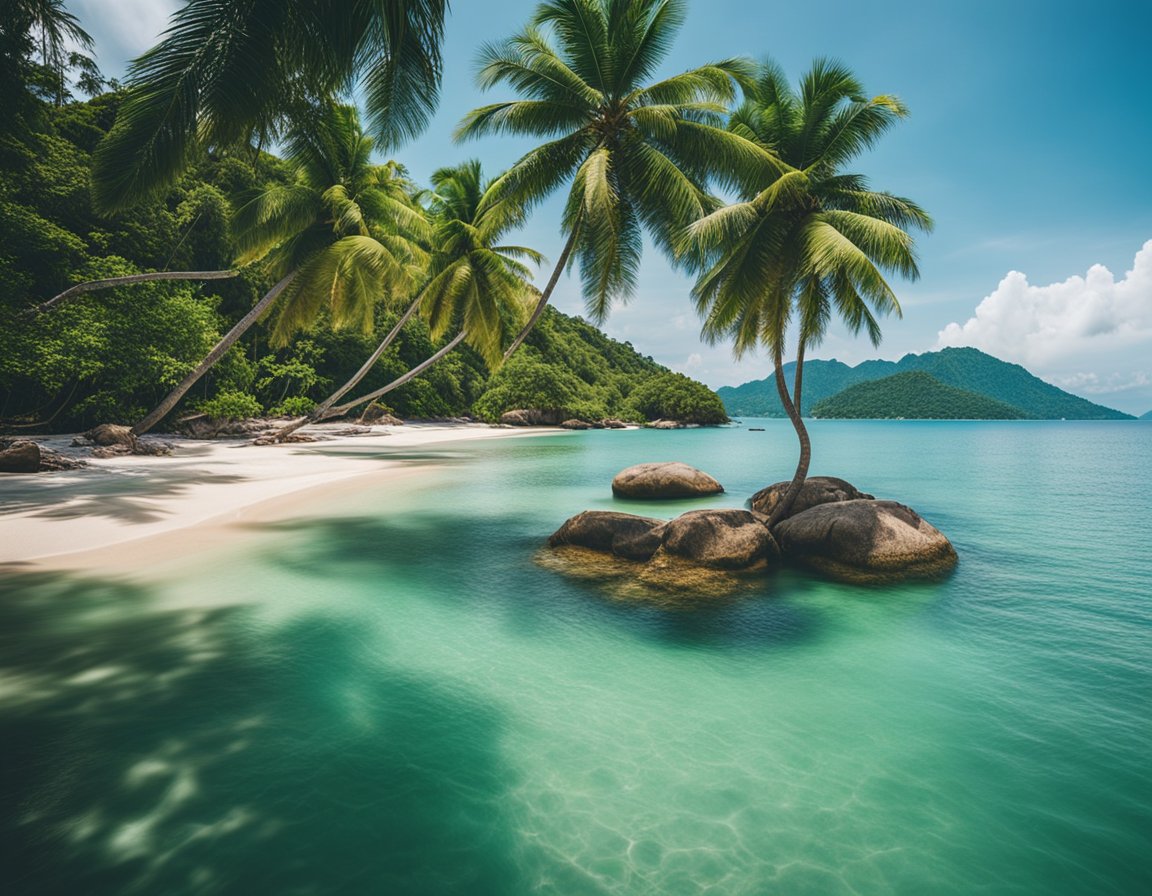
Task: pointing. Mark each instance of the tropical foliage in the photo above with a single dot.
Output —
(231, 72)
(633, 152)
(806, 240)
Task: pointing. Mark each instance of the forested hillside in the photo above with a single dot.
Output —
(962, 368)
(111, 355)
(914, 395)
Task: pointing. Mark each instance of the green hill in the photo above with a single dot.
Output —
(914, 395)
(963, 368)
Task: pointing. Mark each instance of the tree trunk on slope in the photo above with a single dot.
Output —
(395, 384)
(544, 296)
(320, 412)
(212, 357)
(92, 285)
(792, 408)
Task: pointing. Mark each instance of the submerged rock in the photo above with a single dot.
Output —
(721, 539)
(668, 581)
(866, 541)
(664, 480)
(815, 491)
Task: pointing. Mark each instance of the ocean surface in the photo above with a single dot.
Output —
(388, 694)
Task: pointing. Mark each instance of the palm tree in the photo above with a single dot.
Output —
(635, 154)
(229, 71)
(339, 237)
(52, 27)
(476, 283)
(808, 242)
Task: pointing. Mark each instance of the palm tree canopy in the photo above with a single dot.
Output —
(351, 229)
(635, 154)
(228, 70)
(476, 282)
(808, 241)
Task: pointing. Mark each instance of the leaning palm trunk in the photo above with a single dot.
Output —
(320, 412)
(792, 408)
(91, 285)
(544, 296)
(343, 409)
(212, 357)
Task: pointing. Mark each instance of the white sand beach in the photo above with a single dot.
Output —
(74, 519)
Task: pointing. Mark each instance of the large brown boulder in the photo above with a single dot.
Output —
(664, 480)
(720, 539)
(866, 540)
(20, 457)
(816, 490)
(576, 424)
(107, 435)
(532, 417)
(624, 534)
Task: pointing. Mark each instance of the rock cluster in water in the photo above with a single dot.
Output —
(833, 528)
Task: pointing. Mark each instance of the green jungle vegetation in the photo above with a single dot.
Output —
(111, 355)
(913, 395)
(346, 254)
(963, 368)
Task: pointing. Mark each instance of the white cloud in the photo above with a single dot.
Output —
(1090, 335)
(123, 29)
(1040, 326)
(1095, 384)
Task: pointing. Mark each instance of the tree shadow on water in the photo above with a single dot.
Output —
(193, 751)
(491, 563)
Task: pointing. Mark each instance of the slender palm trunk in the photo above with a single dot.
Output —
(212, 357)
(320, 412)
(792, 408)
(544, 296)
(399, 381)
(91, 285)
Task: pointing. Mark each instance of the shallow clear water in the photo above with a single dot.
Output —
(390, 695)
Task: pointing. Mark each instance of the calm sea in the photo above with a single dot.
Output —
(388, 695)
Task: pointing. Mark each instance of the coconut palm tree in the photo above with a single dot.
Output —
(810, 242)
(229, 71)
(476, 284)
(52, 28)
(340, 237)
(634, 153)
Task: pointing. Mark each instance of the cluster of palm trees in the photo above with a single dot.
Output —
(801, 242)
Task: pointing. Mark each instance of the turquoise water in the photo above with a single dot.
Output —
(389, 695)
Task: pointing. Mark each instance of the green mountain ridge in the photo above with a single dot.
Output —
(912, 395)
(963, 368)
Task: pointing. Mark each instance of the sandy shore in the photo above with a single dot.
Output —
(71, 519)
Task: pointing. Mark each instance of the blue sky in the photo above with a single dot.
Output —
(1028, 141)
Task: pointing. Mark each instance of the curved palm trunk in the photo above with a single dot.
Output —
(792, 408)
(395, 384)
(212, 357)
(92, 285)
(320, 412)
(544, 296)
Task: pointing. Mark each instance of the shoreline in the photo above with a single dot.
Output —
(101, 516)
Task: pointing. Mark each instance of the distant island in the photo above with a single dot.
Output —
(1147, 416)
(913, 395)
(960, 383)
